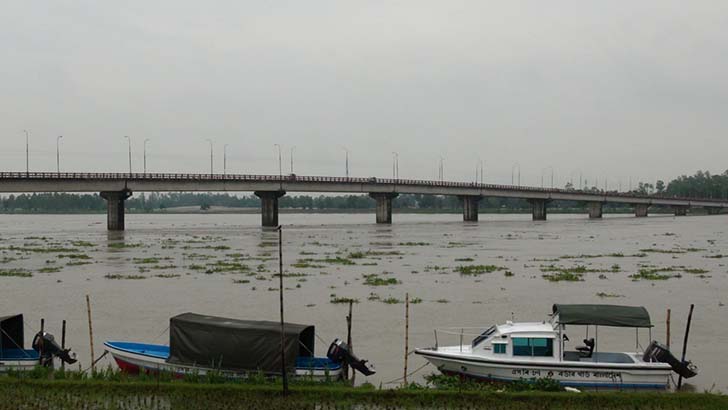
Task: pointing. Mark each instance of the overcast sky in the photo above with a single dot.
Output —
(613, 89)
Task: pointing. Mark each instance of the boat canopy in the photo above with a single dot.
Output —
(602, 315)
(234, 344)
(11, 332)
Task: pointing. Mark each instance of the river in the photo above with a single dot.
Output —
(159, 267)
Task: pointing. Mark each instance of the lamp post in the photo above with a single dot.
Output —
(212, 169)
(27, 154)
(513, 168)
(293, 148)
(347, 161)
(145, 155)
(58, 154)
(280, 163)
(552, 175)
(395, 165)
(128, 139)
(224, 160)
(442, 169)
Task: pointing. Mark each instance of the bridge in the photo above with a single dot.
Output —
(115, 188)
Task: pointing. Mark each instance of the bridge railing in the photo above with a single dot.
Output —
(322, 179)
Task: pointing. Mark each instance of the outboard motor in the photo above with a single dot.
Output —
(657, 352)
(339, 352)
(45, 344)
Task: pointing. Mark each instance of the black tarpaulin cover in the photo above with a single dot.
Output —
(603, 315)
(233, 344)
(11, 332)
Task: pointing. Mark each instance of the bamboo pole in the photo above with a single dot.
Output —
(63, 342)
(406, 335)
(90, 334)
(685, 343)
(667, 328)
(348, 342)
(284, 375)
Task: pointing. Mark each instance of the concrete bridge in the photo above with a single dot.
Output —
(117, 187)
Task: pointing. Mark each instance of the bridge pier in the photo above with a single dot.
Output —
(538, 209)
(470, 207)
(680, 210)
(269, 206)
(595, 210)
(640, 210)
(115, 208)
(384, 206)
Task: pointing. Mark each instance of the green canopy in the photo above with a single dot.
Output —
(603, 315)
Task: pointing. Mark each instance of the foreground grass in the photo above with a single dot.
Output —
(145, 394)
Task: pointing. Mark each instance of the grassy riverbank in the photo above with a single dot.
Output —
(144, 394)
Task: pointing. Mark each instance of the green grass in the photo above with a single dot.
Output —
(477, 269)
(196, 392)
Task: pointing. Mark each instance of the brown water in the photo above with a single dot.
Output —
(139, 309)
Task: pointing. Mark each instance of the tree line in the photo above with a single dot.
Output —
(700, 185)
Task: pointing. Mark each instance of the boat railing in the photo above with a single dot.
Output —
(460, 332)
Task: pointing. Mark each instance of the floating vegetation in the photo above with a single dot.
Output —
(121, 276)
(20, 273)
(167, 275)
(477, 269)
(508, 274)
(30, 249)
(80, 256)
(375, 280)
(306, 264)
(226, 266)
(356, 255)
(464, 259)
(580, 269)
(664, 273)
(415, 300)
(373, 296)
(442, 301)
(83, 244)
(310, 263)
(341, 299)
(609, 295)
(414, 244)
(391, 300)
(79, 263)
(563, 276)
(716, 256)
(7, 260)
(369, 264)
(671, 251)
(384, 253)
(124, 245)
(146, 260)
(49, 269)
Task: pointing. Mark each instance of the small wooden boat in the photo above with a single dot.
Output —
(531, 350)
(13, 354)
(233, 348)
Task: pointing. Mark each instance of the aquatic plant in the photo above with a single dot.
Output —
(375, 280)
(121, 276)
(20, 273)
(477, 269)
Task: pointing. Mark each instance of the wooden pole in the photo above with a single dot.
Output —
(42, 328)
(348, 342)
(284, 374)
(667, 328)
(90, 334)
(406, 335)
(685, 343)
(63, 342)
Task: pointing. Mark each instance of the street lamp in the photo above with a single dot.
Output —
(395, 165)
(224, 160)
(293, 148)
(347, 161)
(442, 169)
(513, 168)
(552, 175)
(129, 141)
(280, 162)
(211, 157)
(58, 154)
(27, 154)
(145, 155)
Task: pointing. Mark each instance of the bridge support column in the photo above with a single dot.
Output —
(595, 210)
(470, 207)
(269, 206)
(538, 209)
(115, 208)
(384, 206)
(680, 210)
(640, 210)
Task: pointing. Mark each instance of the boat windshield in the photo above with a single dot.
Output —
(488, 332)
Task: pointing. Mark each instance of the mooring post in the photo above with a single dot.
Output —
(685, 343)
(348, 342)
(90, 334)
(406, 335)
(42, 328)
(667, 329)
(284, 375)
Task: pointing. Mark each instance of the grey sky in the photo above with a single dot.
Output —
(612, 88)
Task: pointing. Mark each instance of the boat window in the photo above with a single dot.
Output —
(523, 346)
(499, 348)
(483, 336)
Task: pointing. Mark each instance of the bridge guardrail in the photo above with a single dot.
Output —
(325, 179)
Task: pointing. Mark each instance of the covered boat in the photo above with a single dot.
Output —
(530, 350)
(232, 347)
(13, 354)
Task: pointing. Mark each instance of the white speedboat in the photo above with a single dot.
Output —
(532, 350)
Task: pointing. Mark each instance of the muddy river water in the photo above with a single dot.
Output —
(224, 265)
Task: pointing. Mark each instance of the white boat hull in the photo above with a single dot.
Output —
(135, 363)
(572, 374)
(18, 365)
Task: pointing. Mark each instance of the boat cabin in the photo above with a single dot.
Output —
(12, 340)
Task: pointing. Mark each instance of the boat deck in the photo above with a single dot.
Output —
(599, 357)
